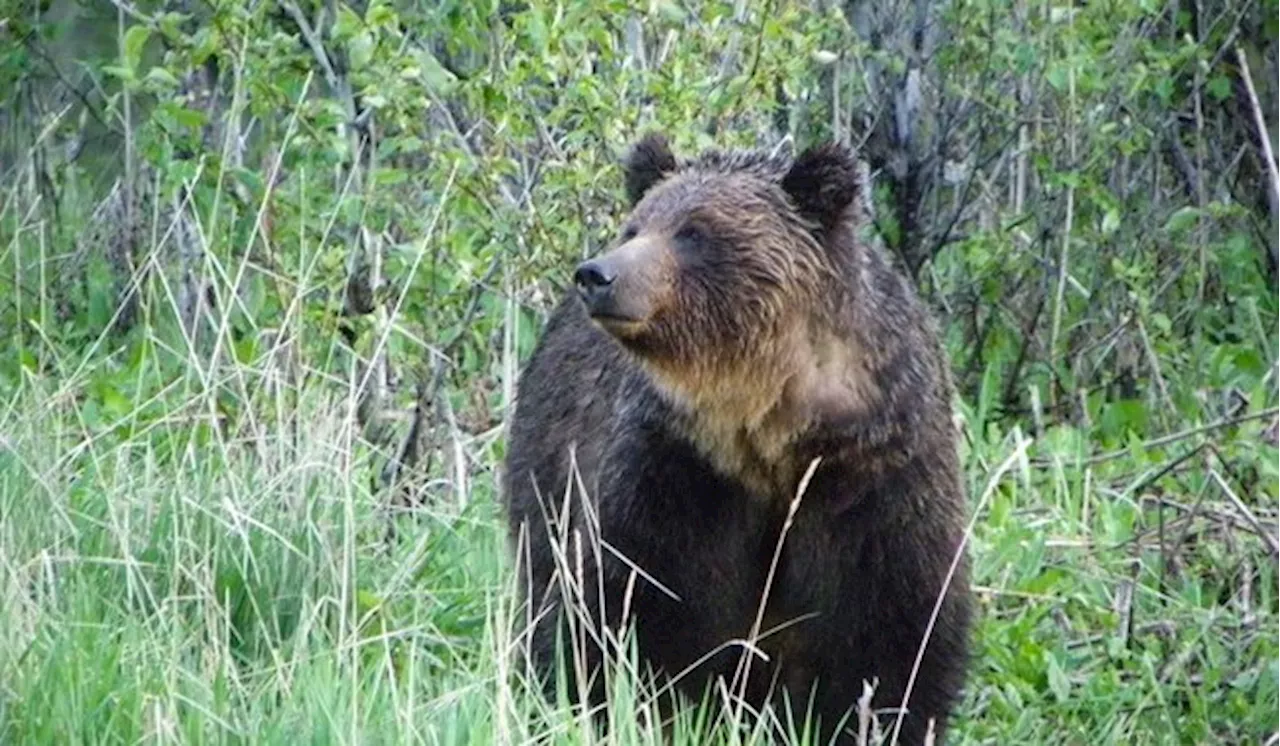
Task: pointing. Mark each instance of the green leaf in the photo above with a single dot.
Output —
(134, 40)
(360, 49)
(825, 57)
(182, 116)
(162, 77)
(1161, 322)
(91, 414)
(1057, 77)
(1250, 361)
(1219, 87)
(1182, 219)
(434, 75)
(115, 404)
(381, 14)
(538, 34)
(1058, 682)
(121, 72)
(1110, 221)
(207, 41)
(390, 176)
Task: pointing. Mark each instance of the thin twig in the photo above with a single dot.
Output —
(137, 15)
(1252, 519)
(1165, 440)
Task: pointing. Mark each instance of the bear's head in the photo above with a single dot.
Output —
(723, 262)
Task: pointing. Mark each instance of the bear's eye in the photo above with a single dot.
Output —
(690, 232)
(629, 233)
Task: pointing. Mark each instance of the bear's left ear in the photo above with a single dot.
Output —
(822, 182)
(649, 161)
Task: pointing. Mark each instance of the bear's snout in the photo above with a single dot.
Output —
(621, 289)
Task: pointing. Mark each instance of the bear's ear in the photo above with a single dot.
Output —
(648, 162)
(822, 182)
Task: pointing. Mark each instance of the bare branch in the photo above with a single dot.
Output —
(313, 41)
(1248, 515)
(1264, 145)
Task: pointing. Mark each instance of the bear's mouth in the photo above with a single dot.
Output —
(623, 327)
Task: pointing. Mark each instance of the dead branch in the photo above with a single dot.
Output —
(1248, 515)
(1264, 147)
(1165, 440)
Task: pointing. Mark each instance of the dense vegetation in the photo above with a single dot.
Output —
(270, 270)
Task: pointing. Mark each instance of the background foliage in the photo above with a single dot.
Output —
(271, 268)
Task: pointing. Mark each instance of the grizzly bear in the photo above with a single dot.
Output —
(741, 338)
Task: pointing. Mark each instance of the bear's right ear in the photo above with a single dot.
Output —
(822, 183)
(648, 162)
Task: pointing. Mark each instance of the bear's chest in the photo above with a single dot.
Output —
(759, 459)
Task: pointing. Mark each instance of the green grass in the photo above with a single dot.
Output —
(166, 580)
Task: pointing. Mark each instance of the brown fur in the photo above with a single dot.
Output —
(760, 334)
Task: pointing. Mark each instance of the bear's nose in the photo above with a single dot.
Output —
(593, 280)
(592, 275)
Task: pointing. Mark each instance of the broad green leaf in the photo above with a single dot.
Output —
(1219, 86)
(1182, 219)
(1110, 222)
(360, 48)
(434, 75)
(161, 76)
(120, 72)
(134, 40)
